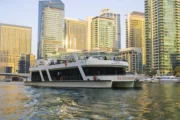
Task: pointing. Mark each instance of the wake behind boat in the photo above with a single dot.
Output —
(82, 70)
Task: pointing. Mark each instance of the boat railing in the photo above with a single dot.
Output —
(61, 62)
(79, 77)
(105, 58)
(53, 78)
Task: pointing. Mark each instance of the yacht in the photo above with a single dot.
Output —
(164, 79)
(155, 79)
(169, 79)
(7, 79)
(83, 70)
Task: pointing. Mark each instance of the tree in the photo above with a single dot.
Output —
(138, 71)
(177, 71)
(144, 69)
(153, 72)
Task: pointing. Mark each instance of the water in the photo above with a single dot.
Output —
(153, 102)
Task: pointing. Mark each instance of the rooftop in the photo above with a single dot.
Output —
(137, 13)
(73, 19)
(52, 3)
(106, 10)
(10, 25)
(103, 18)
(130, 49)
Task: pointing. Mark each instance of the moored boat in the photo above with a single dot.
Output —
(164, 79)
(7, 80)
(83, 70)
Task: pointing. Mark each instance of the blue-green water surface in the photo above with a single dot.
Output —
(153, 102)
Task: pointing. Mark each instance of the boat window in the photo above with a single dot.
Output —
(65, 74)
(36, 77)
(45, 76)
(91, 71)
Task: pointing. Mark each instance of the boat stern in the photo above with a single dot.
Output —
(123, 82)
(138, 83)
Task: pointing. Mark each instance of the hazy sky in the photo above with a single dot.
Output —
(25, 12)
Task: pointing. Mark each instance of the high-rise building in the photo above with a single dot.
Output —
(26, 61)
(162, 34)
(50, 27)
(102, 34)
(107, 13)
(76, 34)
(133, 56)
(89, 20)
(14, 41)
(135, 32)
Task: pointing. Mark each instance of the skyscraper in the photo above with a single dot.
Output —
(133, 56)
(102, 34)
(107, 13)
(14, 41)
(26, 61)
(89, 20)
(135, 32)
(162, 34)
(50, 27)
(76, 34)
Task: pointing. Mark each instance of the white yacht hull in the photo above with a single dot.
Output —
(155, 81)
(123, 84)
(138, 84)
(164, 81)
(87, 84)
(168, 81)
(73, 84)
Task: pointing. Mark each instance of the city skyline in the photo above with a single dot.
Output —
(26, 13)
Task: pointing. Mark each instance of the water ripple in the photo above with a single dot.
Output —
(155, 101)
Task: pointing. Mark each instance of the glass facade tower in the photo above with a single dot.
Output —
(116, 16)
(162, 35)
(50, 27)
(135, 32)
(102, 34)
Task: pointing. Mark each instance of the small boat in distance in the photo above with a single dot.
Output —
(83, 70)
(164, 79)
(7, 79)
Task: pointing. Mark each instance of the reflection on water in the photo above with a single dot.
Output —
(154, 102)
